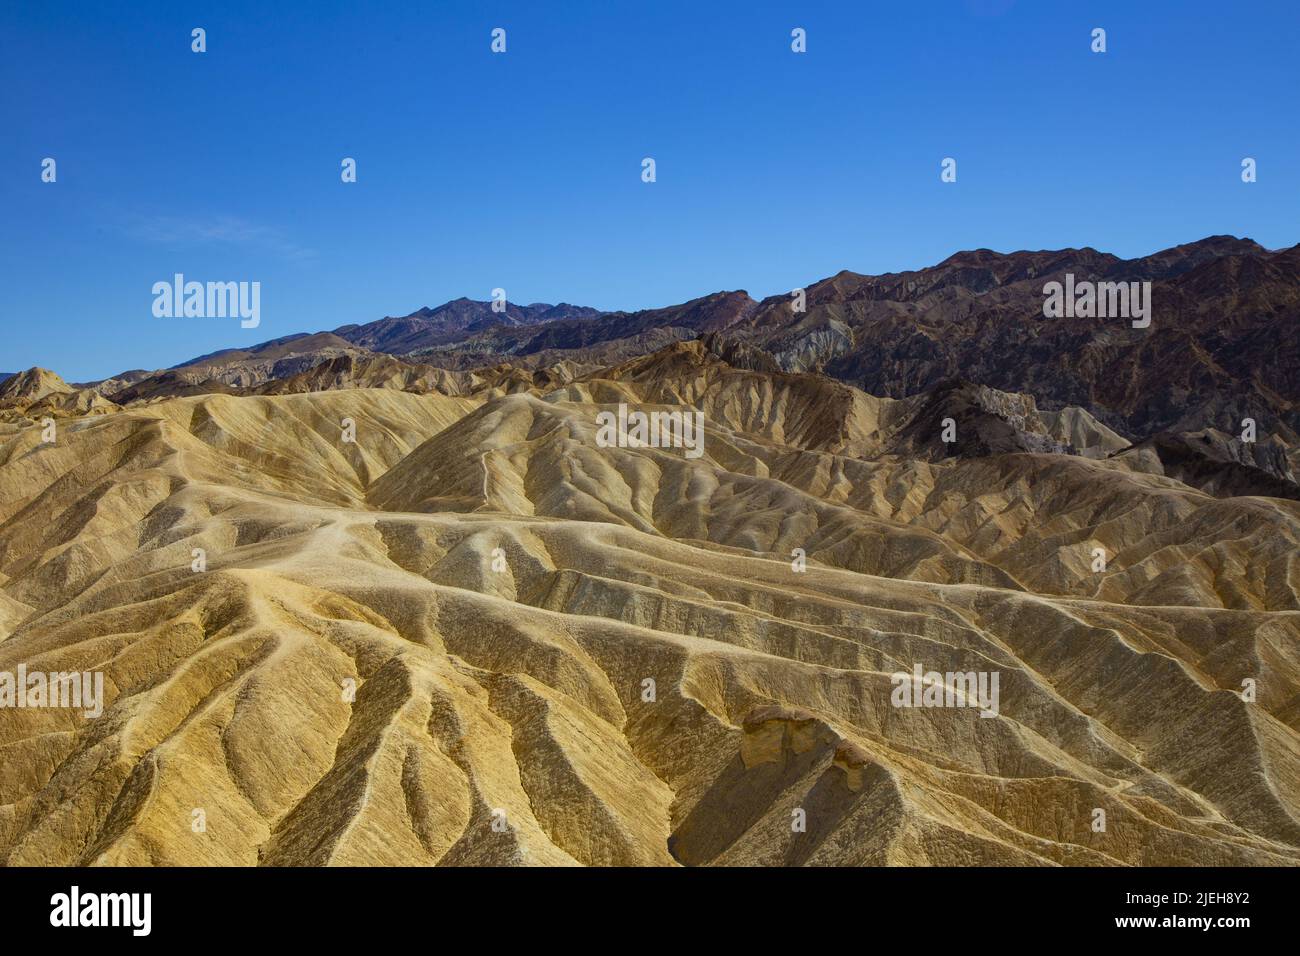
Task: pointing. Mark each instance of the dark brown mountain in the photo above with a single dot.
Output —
(651, 327)
(983, 421)
(1219, 464)
(452, 321)
(1219, 349)
(1221, 309)
(1223, 312)
(172, 384)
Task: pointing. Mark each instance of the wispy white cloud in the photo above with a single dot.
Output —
(228, 230)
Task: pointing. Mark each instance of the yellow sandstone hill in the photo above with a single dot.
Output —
(474, 635)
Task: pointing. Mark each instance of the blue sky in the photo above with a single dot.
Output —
(523, 170)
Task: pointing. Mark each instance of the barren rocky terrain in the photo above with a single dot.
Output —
(355, 607)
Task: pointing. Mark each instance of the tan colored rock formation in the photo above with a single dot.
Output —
(473, 635)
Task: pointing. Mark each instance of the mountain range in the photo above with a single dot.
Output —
(383, 594)
(1208, 359)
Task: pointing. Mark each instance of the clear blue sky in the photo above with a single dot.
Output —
(522, 170)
